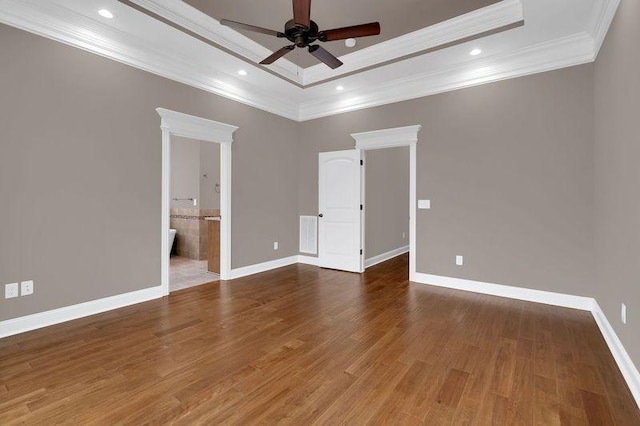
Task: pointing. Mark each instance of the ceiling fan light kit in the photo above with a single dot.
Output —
(303, 32)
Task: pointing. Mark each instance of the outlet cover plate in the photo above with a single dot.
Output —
(623, 314)
(424, 204)
(459, 260)
(26, 288)
(11, 291)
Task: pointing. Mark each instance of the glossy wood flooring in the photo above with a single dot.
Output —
(302, 345)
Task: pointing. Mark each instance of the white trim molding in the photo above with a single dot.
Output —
(626, 365)
(484, 20)
(262, 267)
(623, 360)
(519, 293)
(372, 261)
(81, 310)
(178, 124)
(309, 260)
(367, 81)
(390, 138)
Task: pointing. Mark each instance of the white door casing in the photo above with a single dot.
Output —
(390, 138)
(178, 124)
(340, 214)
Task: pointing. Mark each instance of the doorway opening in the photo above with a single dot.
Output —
(386, 204)
(341, 190)
(194, 234)
(206, 230)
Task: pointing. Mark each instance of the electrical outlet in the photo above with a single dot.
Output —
(404, 235)
(459, 260)
(623, 313)
(11, 291)
(275, 245)
(424, 204)
(26, 288)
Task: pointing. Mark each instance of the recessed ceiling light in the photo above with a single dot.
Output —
(105, 13)
(339, 88)
(475, 52)
(242, 72)
(350, 42)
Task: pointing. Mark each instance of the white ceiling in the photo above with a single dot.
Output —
(556, 34)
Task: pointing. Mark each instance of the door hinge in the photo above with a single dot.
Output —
(361, 207)
(361, 253)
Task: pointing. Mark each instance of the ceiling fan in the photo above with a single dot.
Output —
(302, 32)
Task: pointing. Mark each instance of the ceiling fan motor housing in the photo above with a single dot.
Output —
(299, 35)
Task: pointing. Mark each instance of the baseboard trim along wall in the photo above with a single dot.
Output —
(385, 256)
(81, 310)
(622, 358)
(262, 267)
(308, 260)
(625, 364)
(526, 294)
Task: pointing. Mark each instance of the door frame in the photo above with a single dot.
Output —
(392, 138)
(188, 126)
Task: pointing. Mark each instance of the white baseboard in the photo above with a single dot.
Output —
(309, 260)
(628, 369)
(262, 267)
(527, 294)
(68, 313)
(625, 364)
(385, 256)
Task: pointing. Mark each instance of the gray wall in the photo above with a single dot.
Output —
(509, 169)
(209, 165)
(617, 152)
(386, 200)
(185, 171)
(190, 160)
(80, 174)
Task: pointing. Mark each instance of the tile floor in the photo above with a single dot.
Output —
(187, 273)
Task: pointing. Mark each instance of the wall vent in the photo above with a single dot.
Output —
(309, 234)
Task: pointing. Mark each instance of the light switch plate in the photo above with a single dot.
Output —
(623, 314)
(11, 291)
(424, 204)
(26, 288)
(459, 260)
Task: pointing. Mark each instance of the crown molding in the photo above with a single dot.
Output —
(58, 23)
(182, 61)
(565, 52)
(603, 18)
(205, 26)
(490, 18)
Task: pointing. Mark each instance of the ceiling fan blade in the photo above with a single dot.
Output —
(363, 30)
(302, 12)
(247, 27)
(325, 56)
(277, 55)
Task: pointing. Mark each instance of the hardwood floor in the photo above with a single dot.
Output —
(302, 345)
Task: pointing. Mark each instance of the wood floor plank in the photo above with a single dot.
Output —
(304, 345)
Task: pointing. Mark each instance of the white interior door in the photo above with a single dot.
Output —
(340, 215)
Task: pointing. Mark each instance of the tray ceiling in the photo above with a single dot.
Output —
(175, 40)
(397, 18)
